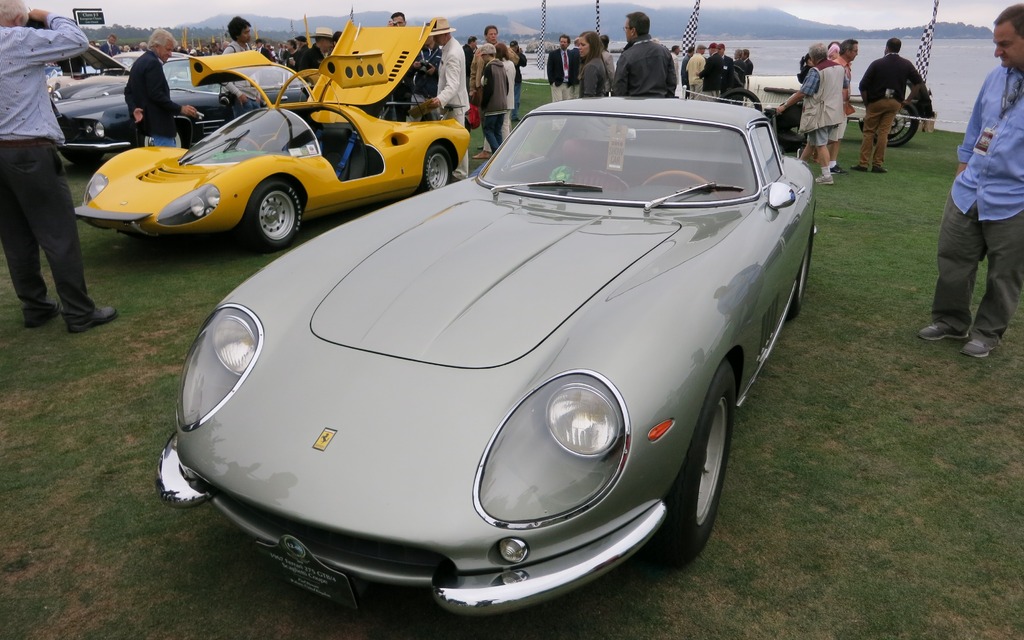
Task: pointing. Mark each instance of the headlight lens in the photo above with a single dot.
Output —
(99, 130)
(559, 451)
(191, 207)
(97, 183)
(583, 420)
(220, 358)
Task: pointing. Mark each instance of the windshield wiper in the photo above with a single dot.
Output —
(557, 184)
(706, 187)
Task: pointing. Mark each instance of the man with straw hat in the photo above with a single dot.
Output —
(452, 96)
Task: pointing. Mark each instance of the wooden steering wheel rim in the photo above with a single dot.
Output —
(672, 173)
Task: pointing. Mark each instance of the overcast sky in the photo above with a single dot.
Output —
(862, 14)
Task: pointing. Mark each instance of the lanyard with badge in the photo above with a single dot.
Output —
(1009, 99)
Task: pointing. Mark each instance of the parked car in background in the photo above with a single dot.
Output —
(261, 174)
(90, 66)
(501, 390)
(99, 124)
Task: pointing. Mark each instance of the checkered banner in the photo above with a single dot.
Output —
(924, 51)
(542, 57)
(690, 35)
(598, 27)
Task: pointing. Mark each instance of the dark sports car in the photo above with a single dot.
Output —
(100, 124)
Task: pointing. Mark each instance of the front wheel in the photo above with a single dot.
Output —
(272, 217)
(693, 500)
(437, 168)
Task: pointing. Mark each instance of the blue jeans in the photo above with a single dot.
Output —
(516, 91)
(238, 108)
(492, 129)
(163, 141)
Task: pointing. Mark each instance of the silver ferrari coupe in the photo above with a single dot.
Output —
(502, 389)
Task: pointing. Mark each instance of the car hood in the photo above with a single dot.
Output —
(481, 283)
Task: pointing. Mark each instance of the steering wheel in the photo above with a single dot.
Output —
(672, 178)
(598, 178)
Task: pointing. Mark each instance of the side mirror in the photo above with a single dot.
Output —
(780, 195)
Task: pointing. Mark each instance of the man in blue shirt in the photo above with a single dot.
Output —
(37, 211)
(984, 214)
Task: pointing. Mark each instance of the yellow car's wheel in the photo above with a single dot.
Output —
(437, 168)
(272, 217)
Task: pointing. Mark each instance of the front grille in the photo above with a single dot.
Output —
(405, 563)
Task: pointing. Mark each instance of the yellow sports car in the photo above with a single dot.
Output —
(264, 172)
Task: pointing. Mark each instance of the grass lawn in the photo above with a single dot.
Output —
(875, 490)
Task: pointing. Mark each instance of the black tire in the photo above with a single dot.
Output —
(693, 500)
(741, 97)
(87, 159)
(272, 217)
(903, 127)
(796, 303)
(437, 168)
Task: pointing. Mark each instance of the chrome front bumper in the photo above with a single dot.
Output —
(518, 588)
(171, 484)
(486, 594)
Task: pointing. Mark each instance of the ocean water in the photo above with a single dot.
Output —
(955, 74)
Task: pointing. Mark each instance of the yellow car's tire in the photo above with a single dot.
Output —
(437, 168)
(272, 217)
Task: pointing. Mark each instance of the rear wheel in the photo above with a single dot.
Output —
(437, 168)
(693, 500)
(741, 97)
(904, 126)
(272, 217)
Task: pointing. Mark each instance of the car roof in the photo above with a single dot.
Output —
(659, 107)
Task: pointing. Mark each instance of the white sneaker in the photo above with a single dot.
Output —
(824, 180)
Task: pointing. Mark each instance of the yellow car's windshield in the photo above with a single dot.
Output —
(257, 133)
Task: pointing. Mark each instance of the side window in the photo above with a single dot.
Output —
(767, 155)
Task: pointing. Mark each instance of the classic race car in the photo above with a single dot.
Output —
(505, 388)
(262, 173)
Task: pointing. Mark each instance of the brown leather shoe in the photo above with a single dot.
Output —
(483, 155)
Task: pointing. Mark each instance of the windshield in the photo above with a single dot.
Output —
(179, 77)
(630, 159)
(258, 133)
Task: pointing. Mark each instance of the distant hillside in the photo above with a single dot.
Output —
(666, 23)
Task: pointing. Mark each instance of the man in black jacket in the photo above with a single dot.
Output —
(148, 96)
(563, 70)
(712, 73)
(645, 68)
(883, 88)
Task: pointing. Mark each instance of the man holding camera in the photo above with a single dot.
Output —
(37, 209)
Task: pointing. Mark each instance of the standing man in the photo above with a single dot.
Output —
(645, 67)
(728, 77)
(518, 87)
(323, 42)
(822, 95)
(110, 46)
(148, 96)
(712, 73)
(451, 84)
(563, 70)
(883, 87)
(244, 96)
(470, 50)
(984, 214)
(848, 50)
(694, 67)
(37, 209)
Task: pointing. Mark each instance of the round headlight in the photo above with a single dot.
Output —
(559, 451)
(97, 183)
(234, 343)
(197, 206)
(100, 130)
(583, 420)
(221, 357)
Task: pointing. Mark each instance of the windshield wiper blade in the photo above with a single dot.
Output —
(557, 184)
(706, 187)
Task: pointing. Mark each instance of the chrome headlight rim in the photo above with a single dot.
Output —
(202, 337)
(97, 183)
(190, 207)
(626, 440)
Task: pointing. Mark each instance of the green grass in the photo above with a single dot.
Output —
(876, 486)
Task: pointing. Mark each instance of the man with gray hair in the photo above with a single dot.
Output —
(822, 95)
(38, 212)
(149, 97)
